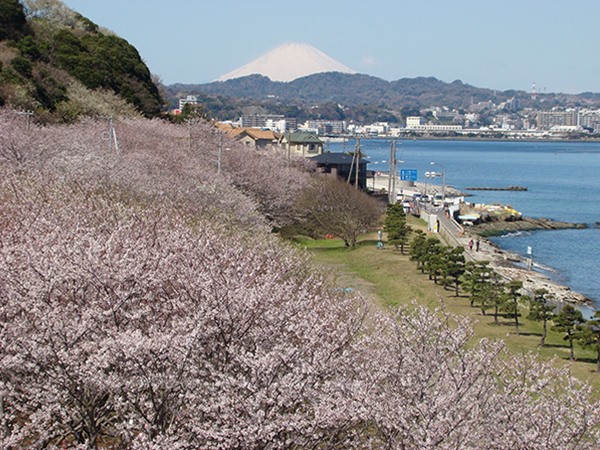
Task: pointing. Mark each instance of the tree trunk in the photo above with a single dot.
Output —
(571, 348)
(496, 315)
(517, 318)
(543, 341)
(598, 361)
(456, 288)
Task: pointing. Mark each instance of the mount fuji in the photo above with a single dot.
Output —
(288, 62)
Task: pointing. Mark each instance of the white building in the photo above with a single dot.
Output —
(414, 121)
(418, 124)
(191, 99)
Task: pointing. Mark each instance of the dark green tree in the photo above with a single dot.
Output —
(476, 275)
(589, 337)
(510, 301)
(13, 23)
(395, 226)
(541, 311)
(417, 247)
(454, 267)
(430, 258)
(485, 287)
(110, 62)
(568, 321)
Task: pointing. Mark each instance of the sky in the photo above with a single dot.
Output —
(502, 44)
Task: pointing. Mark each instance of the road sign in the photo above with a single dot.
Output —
(408, 174)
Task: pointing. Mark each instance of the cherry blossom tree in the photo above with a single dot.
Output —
(144, 304)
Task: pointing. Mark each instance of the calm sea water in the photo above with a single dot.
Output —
(563, 181)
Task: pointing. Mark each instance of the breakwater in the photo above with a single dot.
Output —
(510, 188)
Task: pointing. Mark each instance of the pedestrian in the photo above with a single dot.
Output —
(477, 246)
(471, 245)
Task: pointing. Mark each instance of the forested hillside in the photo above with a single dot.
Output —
(362, 96)
(60, 65)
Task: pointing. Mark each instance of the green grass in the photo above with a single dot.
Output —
(391, 279)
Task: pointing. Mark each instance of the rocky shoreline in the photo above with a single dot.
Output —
(507, 265)
(499, 227)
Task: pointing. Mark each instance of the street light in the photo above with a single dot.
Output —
(443, 181)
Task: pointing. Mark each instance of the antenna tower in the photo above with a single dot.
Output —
(533, 91)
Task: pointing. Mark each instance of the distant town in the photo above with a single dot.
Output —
(487, 119)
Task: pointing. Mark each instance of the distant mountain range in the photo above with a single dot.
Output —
(359, 89)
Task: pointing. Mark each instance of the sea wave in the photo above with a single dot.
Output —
(514, 234)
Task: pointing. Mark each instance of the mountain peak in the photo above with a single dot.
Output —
(288, 62)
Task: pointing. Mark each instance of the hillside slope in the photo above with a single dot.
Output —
(60, 65)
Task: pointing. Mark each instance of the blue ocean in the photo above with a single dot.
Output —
(563, 182)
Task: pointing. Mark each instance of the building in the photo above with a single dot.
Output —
(326, 127)
(375, 129)
(418, 124)
(415, 121)
(190, 99)
(514, 104)
(549, 119)
(343, 165)
(281, 125)
(255, 137)
(301, 143)
(589, 120)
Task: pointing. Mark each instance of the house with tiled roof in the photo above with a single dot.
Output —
(224, 127)
(301, 143)
(255, 137)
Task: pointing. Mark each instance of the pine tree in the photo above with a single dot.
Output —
(589, 336)
(395, 226)
(568, 321)
(454, 267)
(511, 301)
(540, 311)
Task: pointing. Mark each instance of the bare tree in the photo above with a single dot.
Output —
(332, 206)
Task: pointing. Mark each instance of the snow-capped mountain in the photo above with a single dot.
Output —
(288, 62)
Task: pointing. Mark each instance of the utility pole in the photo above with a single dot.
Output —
(111, 132)
(352, 163)
(26, 113)
(357, 162)
(220, 151)
(392, 176)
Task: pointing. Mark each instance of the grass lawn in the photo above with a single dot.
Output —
(391, 279)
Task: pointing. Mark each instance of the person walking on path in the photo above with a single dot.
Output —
(471, 245)
(477, 246)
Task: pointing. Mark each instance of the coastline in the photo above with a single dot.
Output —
(585, 139)
(503, 262)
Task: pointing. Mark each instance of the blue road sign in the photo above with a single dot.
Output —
(408, 174)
